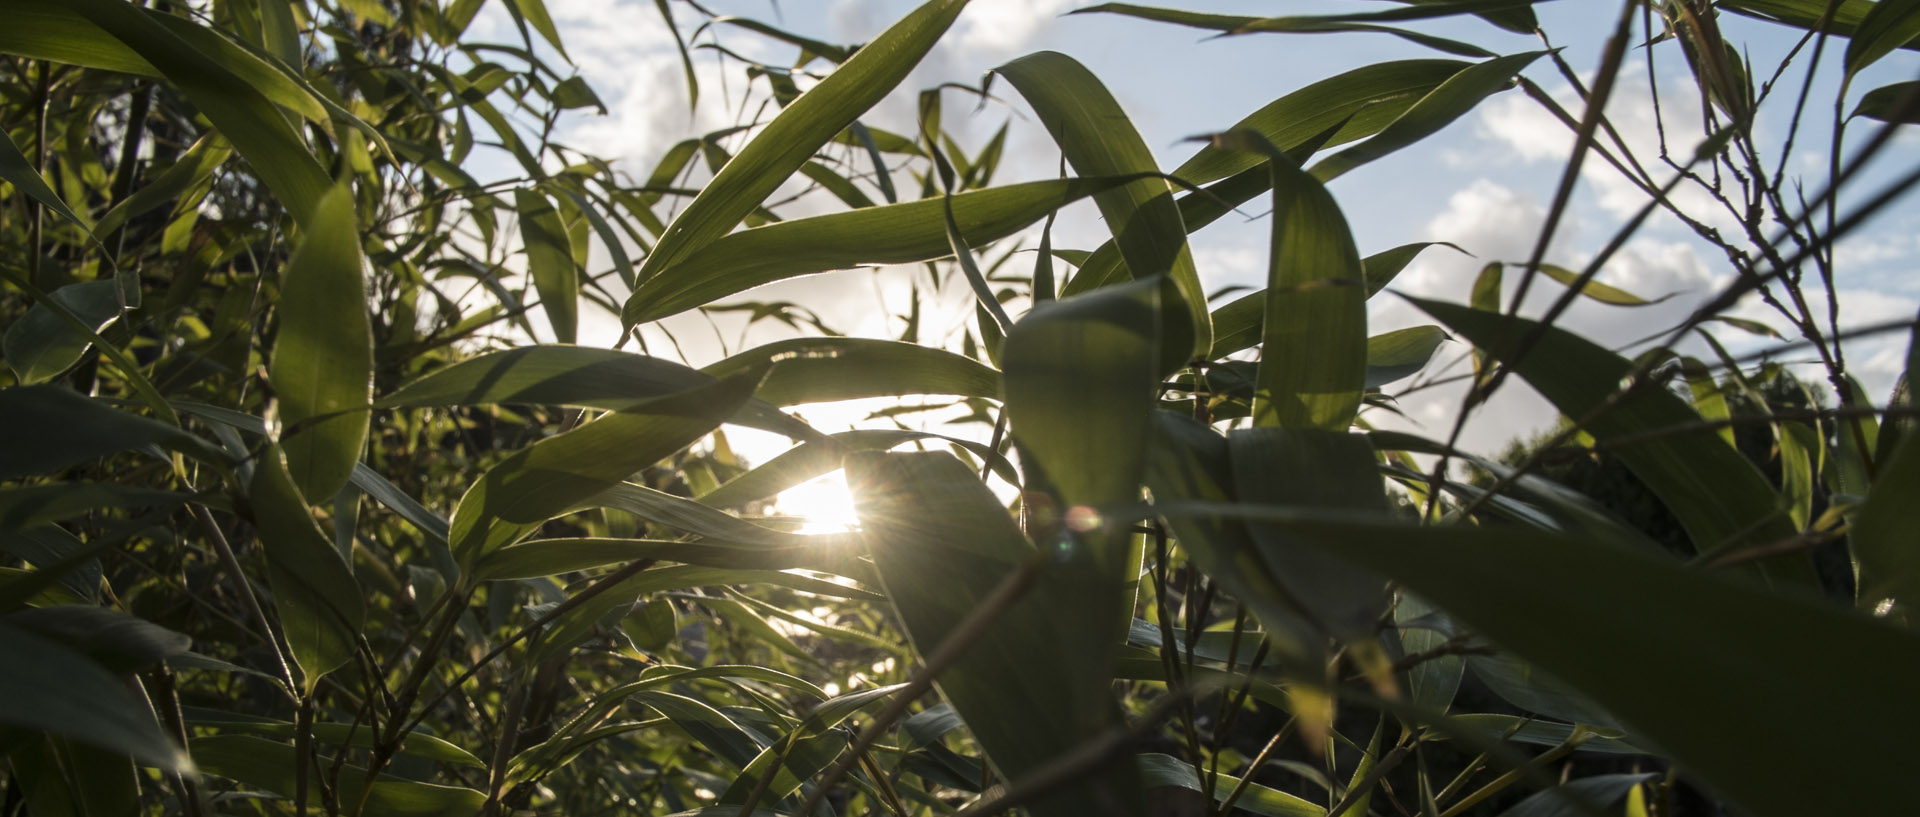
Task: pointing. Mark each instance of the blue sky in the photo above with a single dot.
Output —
(1483, 183)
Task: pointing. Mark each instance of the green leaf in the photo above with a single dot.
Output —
(1727, 649)
(1314, 360)
(1432, 683)
(1096, 136)
(116, 641)
(550, 557)
(788, 141)
(1320, 469)
(1401, 353)
(1157, 770)
(48, 687)
(40, 346)
(1458, 95)
(1366, 99)
(48, 546)
(820, 370)
(1898, 103)
(550, 261)
(1882, 535)
(1536, 732)
(322, 609)
(17, 170)
(574, 376)
(535, 13)
(1596, 290)
(559, 472)
(817, 457)
(1599, 794)
(416, 744)
(1191, 462)
(886, 234)
(1080, 382)
(217, 84)
(322, 364)
(1889, 25)
(1232, 24)
(68, 429)
(942, 543)
(189, 171)
(1721, 499)
(25, 507)
(1238, 325)
(271, 765)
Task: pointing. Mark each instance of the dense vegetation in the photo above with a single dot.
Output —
(297, 515)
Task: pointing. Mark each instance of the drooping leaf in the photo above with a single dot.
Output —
(217, 84)
(550, 261)
(1321, 469)
(1890, 24)
(1314, 351)
(1097, 138)
(321, 607)
(886, 234)
(573, 376)
(1459, 94)
(1721, 499)
(817, 457)
(791, 138)
(557, 473)
(1897, 103)
(68, 429)
(1400, 353)
(1611, 296)
(39, 346)
(942, 544)
(48, 687)
(1554, 601)
(820, 370)
(1158, 770)
(322, 363)
(270, 765)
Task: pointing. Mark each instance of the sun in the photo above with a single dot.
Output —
(823, 504)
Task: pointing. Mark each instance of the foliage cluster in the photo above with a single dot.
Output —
(296, 515)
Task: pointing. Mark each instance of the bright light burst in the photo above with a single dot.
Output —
(824, 505)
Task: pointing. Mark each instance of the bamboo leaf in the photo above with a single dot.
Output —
(550, 261)
(1459, 94)
(1097, 138)
(1898, 103)
(820, 370)
(1324, 470)
(574, 376)
(1882, 532)
(1720, 498)
(1314, 360)
(942, 543)
(47, 687)
(40, 346)
(321, 607)
(1401, 353)
(271, 765)
(1238, 325)
(68, 429)
(322, 362)
(1537, 594)
(547, 478)
(1611, 296)
(886, 234)
(792, 137)
(214, 82)
(1889, 25)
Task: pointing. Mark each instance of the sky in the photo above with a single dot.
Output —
(1483, 184)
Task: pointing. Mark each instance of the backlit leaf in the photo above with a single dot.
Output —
(322, 364)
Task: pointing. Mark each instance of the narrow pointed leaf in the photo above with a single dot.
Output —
(1401, 353)
(942, 543)
(1324, 470)
(320, 606)
(819, 370)
(39, 345)
(557, 473)
(1459, 94)
(270, 765)
(886, 234)
(573, 376)
(1891, 24)
(1098, 140)
(322, 364)
(69, 429)
(1720, 498)
(47, 687)
(791, 138)
(550, 262)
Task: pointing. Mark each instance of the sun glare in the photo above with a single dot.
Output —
(823, 503)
